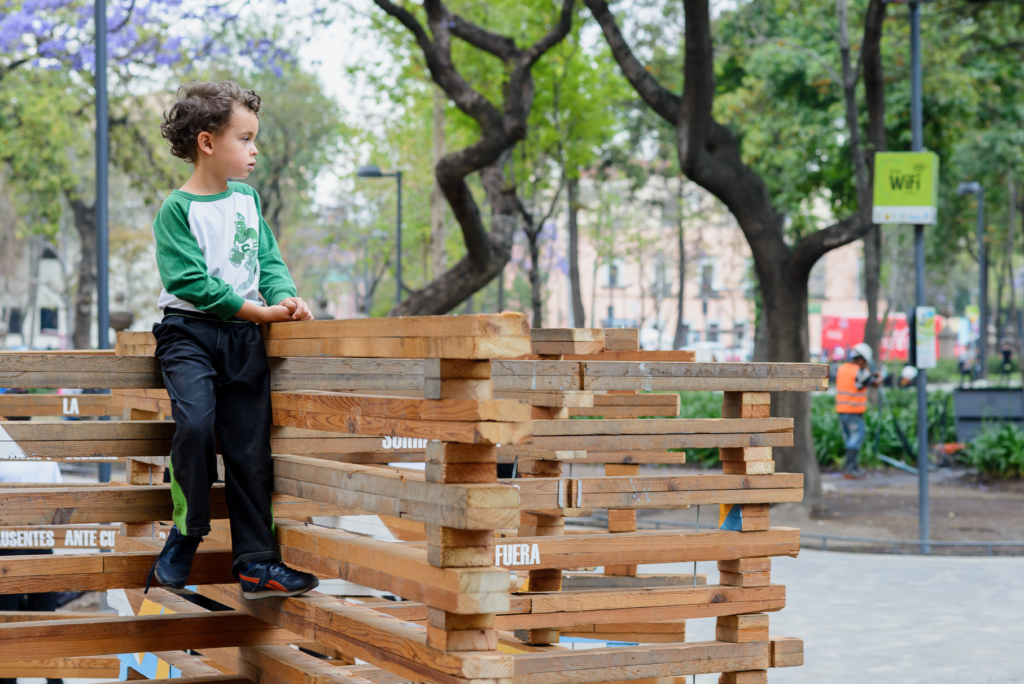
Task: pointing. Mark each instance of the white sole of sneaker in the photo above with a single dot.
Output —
(269, 593)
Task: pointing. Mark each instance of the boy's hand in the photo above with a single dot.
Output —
(274, 314)
(297, 307)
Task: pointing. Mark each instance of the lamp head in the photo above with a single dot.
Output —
(972, 188)
(371, 171)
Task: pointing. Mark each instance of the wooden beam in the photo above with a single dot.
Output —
(736, 377)
(62, 668)
(56, 405)
(58, 537)
(587, 580)
(658, 546)
(36, 615)
(102, 636)
(142, 439)
(555, 609)
(627, 492)
(571, 398)
(678, 426)
(402, 408)
(644, 442)
(622, 339)
(397, 568)
(256, 663)
(635, 355)
(398, 494)
(593, 665)
(615, 457)
(100, 571)
(47, 505)
(212, 679)
(567, 335)
(474, 325)
(449, 420)
(401, 347)
(381, 640)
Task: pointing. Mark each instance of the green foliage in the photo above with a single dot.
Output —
(701, 405)
(998, 451)
(901, 408)
(827, 434)
(40, 136)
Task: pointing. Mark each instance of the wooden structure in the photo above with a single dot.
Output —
(460, 393)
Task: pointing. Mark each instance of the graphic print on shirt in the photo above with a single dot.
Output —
(245, 249)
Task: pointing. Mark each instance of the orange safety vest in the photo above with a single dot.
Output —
(849, 399)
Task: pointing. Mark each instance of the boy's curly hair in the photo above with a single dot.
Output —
(203, 106)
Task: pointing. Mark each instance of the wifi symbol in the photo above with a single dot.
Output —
(918, 167)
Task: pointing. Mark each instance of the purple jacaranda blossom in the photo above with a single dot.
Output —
(60, 33)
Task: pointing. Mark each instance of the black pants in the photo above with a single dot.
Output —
(218, 380)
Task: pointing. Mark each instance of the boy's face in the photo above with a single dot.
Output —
(232, 152)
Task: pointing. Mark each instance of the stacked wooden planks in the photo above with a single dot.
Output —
(447, 391)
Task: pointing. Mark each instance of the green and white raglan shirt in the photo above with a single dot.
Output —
(214, 252)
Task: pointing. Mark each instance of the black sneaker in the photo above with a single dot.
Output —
(174, 562)
(263, 579)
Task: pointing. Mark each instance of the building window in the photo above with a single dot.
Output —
(15, 326)
(713, 331)
(739, 331)
(48, 319)
(707, 271)
(610, 274)
(661, 287)
(816, 284)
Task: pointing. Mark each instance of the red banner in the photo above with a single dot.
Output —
(843, 331)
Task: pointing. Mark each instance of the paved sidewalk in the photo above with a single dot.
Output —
(901, 619)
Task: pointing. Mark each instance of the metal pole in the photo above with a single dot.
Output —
(398, 246)
(922, 376)
(102, 153)
(982, 287)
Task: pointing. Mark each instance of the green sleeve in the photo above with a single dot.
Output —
(182, 265)
(275, 281)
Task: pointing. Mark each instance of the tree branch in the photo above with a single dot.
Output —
(502, 47)
(663, 101)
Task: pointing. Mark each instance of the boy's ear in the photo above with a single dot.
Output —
(205, 143)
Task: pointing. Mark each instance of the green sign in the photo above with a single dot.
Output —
(906, 187)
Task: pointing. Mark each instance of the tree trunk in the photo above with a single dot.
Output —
(874, 97)
(579, 317)
(487, 250)
(31, 317)
(785, 316)
(85, 223)
(438, 254)
(872, 284)
(536, 299)
(680, 338)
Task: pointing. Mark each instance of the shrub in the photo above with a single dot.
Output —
(998, 451)
(827, 434)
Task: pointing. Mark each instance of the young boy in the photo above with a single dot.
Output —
(222, 274)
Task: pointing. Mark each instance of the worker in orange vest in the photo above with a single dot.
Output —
(852, 381)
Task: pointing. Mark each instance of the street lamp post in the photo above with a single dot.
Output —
(102, 152)
(917, 143)
(373, 171)
(974, 188)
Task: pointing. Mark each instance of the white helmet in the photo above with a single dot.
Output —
(863, 350)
